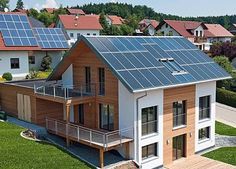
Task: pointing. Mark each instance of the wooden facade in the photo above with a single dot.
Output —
(172, 95)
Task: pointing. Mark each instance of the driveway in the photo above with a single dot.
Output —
(226, 114)
(198, 162)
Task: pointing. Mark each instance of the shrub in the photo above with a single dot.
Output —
(46, 63)
(32, 75)
(44, 75)
(7, 76)
(2, 79)
(226, 97)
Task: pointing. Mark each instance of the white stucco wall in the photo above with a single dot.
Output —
(213, 40)
(205, 89)
(5, 64)
(166, 30)
(199, 29)
(151, 30)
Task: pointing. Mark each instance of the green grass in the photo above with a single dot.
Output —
(224, 129)
(19, 153)
(225, 154)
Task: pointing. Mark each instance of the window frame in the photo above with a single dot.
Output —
(182, 114)
(148, 154)
(71, 35)
(101, 80)
(88, 79)
(206, 131)
(201, 114)
(16, 64)
(147, 124)
(32, 60)
(110, 126)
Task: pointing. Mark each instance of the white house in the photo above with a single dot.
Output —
(75, 26)
(148, 25)
(114, 20)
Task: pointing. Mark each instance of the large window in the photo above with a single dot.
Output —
(81, 114)
(179, 113)
(149, 151)
(101, 75)
(149, 120)
(88, 79)
(204, 107)
(204, 133)
(31, 59)
(106, 116)
(15, 63)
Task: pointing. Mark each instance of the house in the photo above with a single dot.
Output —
(23, 44)
(200, 34)
(25, 11)
(216, 33)
(72, 11)
(49, 10)
(148, 25)
(75, 26)
(232, 29)
(114, 20)
(152, 99)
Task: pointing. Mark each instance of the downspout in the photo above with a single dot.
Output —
(137, 124)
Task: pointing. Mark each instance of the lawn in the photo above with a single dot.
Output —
(19, 153)
(224, 129)
(225, 154)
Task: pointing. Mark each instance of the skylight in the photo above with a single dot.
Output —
(174, 67)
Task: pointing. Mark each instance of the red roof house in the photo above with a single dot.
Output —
(75, 11)
(115, 20)
(216, 30)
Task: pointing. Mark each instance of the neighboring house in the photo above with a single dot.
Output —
(114, 20)
(216, 33)
(71, 11)
(148, 25)
(49, 10)
(25, 11)
(75, 26)
(232, 29)
(152, 99)
(200, 34)
(22, 45)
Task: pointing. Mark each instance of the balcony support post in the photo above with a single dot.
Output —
(127, 150)
(67, 122)
(101, 158)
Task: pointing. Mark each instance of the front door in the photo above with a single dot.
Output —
(178, 147)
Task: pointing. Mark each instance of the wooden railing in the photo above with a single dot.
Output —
(80, 133)
(199, 39)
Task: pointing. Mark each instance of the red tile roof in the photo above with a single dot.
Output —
(49, 10)
(25, 11)
(82, 22)
(116, 20)
(216, 30)
(75, 11)
(143, 24)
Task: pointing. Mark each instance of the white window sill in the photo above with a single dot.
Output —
(204, 120)
(147, 160)
(203, 140)
(149, 136)
(179, 127)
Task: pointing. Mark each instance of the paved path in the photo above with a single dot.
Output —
(225, 141)
(226, 114)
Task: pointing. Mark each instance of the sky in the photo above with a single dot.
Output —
(175, 7)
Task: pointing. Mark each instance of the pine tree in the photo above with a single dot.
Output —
(20, 4)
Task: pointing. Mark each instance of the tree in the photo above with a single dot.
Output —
(33, 13)
(46, 18)
(4, 4)
(20, 4)
(103, 22)
(46, 63)
(227, 49)
(59, 11)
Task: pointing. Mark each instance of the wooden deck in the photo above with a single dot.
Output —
(198, 162)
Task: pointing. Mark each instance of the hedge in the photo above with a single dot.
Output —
(226, 97)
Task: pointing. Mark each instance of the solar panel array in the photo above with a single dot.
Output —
(16, 30)
(51, 38)
(136, 61)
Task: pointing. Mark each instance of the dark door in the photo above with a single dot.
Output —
(178, 147)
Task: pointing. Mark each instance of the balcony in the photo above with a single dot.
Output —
(91, 137)
(199, 39)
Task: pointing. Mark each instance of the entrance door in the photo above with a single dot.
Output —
(178, 147)
(24, 107)
(106, 116)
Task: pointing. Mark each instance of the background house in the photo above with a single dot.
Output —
(148, 25)
(75, 26)
(232, 29)
(72, 11)
(114, 20)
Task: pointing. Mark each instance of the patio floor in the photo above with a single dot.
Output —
(198, 162)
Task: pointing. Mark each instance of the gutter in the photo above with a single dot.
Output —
(137, 126)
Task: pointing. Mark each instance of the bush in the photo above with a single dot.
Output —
(226, 97)
(32, 75)
(46, 63)
(7, 76)
(2, 79)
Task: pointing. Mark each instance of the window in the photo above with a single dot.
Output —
(15, 63)
(200, 33)
(172, 65)
(101, 74)
(196, 33)
(94, 34)
(179, 113)
(78, 35)
(88, 79)
(31, 59)
(149, 151)
(149, 120)
(81, 114)
(72, 43)
(106, 116)
(167, 25)
(204, 133)
(88, 34)
(71, 35)
(204, 107)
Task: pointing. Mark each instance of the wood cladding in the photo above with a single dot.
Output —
(172, 95)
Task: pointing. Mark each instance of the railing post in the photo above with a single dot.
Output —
(54, 91)
(104, 144)
(90, 136)
(78, 132)
(56, 127)
(43, 90)
(81, 90)
(65, 93)
(67, 136)
(120, 137)
(34, 88)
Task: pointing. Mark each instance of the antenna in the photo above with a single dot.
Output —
(6, 10)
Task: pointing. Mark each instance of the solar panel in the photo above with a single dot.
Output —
(49, 38)
(16, 30)
(138, 61)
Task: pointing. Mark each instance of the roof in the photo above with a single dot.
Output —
(35, 23)
(138, 61)
(52, 25)
(116, 20)
(216, 30)
(25, 11)
(82, 22)
(75, 11)
(183, 27)
(148, 22)
(50, 10)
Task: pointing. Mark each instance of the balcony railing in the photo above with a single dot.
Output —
(204, 113)
(179, 120)
(199, 39)
(66, 92)
(149, 127)
(90, 136)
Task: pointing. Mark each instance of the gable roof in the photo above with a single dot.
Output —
(148, 22)
(82, 22)
(116, 20)
(36, 23)
(183, 27)
(72, 11)
(136, 61)
(216, 30)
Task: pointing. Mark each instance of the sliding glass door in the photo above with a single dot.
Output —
(178, 147)
(106, 116)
